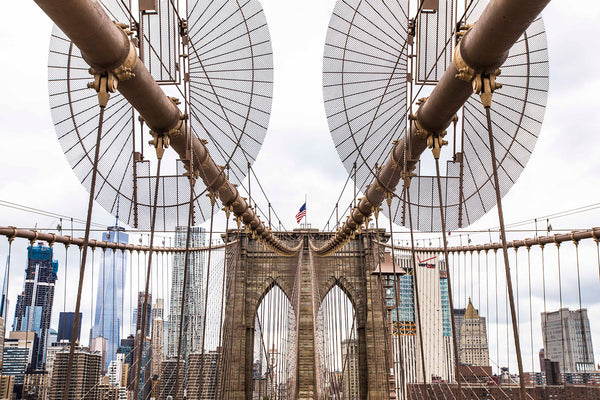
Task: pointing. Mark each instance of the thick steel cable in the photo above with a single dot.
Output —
(148, 277)
(184, 289)
(517, 279)
(560, 297)
(451, 301)
(220, 361)
(374, 244)
(396, 285)
(415, 284)
(597, 240)
(204, 318)
(496, 314)
(522, 392)
(545, 315)
(6, 284)
(583, 335)
(530, 306)
(86, 238)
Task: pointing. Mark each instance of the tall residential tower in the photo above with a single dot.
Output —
(108, 318)
(34, 306)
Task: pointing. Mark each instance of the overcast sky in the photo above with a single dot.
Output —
(298, 156)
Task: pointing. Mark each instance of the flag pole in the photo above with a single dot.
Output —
(306, 210)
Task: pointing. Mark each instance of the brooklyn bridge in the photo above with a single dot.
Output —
(179, 276)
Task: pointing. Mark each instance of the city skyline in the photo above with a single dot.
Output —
(563, 148)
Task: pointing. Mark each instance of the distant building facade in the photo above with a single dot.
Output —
(66, 320)
(108, 316)
(33, 310)
(85, 375)
(568, 340)
(202, 375)
(192, 339)
(20, 353)
(399, 281)
(471, 336)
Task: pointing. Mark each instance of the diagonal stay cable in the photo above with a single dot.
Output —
(86, 238)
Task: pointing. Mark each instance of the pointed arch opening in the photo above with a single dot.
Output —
(274, 359)
(337, 346)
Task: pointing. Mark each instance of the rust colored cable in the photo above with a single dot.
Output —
(415, 284)
(204, 318)
(513, 315)
(451, 301)
(184, 289)
(147, 288)
(86, 238)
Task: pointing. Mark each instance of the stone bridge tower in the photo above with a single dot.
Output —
(305, 278)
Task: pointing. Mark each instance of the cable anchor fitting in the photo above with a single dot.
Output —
(160, 141)
(435, 142)
(406, 176)
(104, 84)
(484, 85)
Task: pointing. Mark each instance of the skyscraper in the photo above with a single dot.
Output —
(65, 326)
(34, 306)
(192, 341)
(108, 317)
(140, 311)
(85, 374)
(399, 282)
(202, 374)
(471, 336)
(350, 383)
(568, 340)
(157, 337)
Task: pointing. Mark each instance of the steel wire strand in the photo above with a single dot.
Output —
(560, 298)
(223, 296)
(530, 305)
(396, 284)
(86, 238)
(583, 334)
(450, 299)
(376, 255)
(204, 318)
(184, 289)
(522, 392)
(416, 286)
(148, 277)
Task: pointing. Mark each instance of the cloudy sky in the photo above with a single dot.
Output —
(298, 156)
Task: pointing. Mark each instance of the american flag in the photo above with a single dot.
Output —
(302, 213)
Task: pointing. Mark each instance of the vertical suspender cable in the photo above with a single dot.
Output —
(454, 341)
(204, 319)
(545, 318)
(496, 303)
(184, 290)
(396, 287)
(583, 334)
(560, 312)
(522, 393)
(86, 239)
(220, 357)
(415, 282)
(148, 276)
(530, 305)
